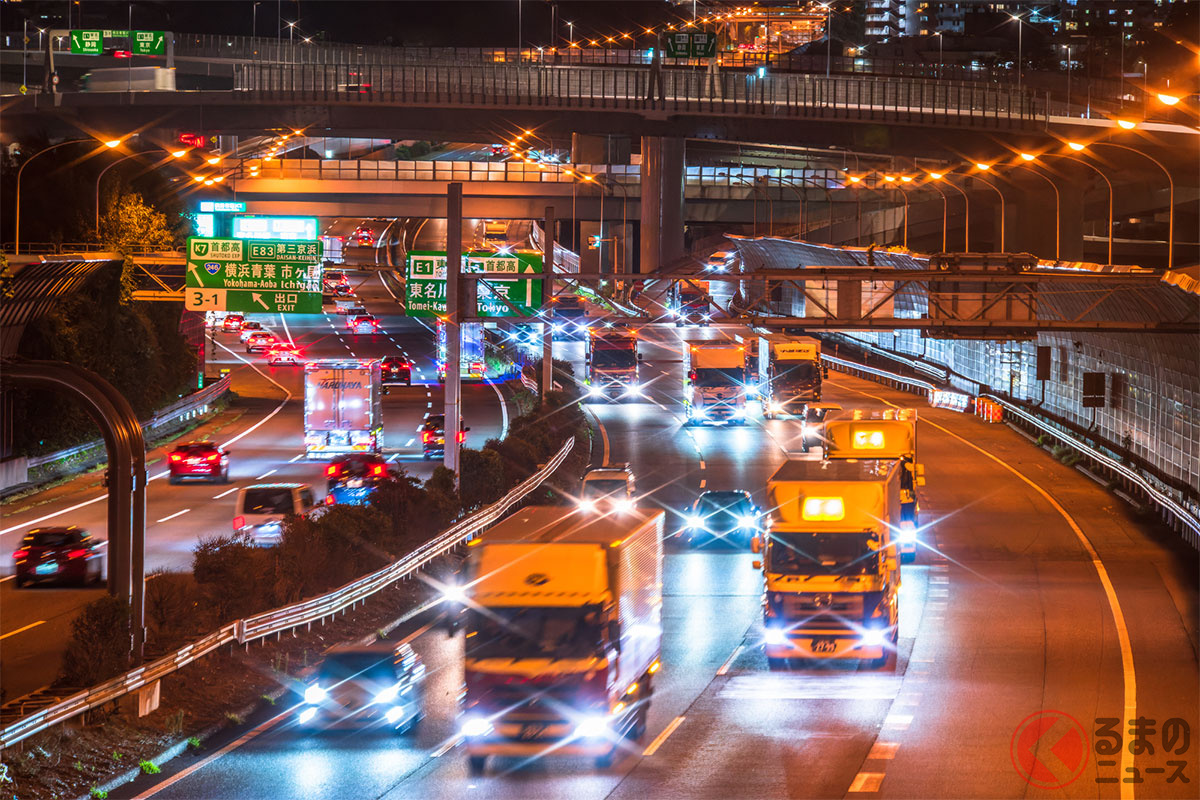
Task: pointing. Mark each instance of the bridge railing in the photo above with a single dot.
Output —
(848, 97)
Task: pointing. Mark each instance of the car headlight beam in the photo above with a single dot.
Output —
(314, 694)
(592, 727)
(475, 726)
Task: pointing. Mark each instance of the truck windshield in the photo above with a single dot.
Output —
(821, 554)
(537, 632)
(795, 374)
(604, 488)
(720, 376)
(612, 359)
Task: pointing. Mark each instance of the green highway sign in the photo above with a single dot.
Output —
(699, 44)
(244, 301)
(251, 275)
(425, 287)
(87, 43)
(148, 43)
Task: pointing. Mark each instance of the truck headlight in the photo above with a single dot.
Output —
(594, 391)
(388, 694)
(694, 522)
(475, 726)
(306, 715)
(592, 727)
(872, 637)
(587, 506)
(633, 390)
(314, 694)
(775, 636)
(747, 522)
(908, 532)
(623, 506)
(393, 714)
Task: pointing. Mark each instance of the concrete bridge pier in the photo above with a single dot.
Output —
(661, 202)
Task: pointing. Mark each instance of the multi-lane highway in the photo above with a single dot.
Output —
(264, 432)
(1037, 589)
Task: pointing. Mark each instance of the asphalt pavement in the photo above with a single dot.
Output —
(1035, 590)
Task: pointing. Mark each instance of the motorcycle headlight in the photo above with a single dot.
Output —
(314, 694)
(475, 726)
(592, 727)
(388, 694)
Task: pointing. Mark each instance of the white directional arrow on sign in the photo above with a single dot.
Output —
(257, 298)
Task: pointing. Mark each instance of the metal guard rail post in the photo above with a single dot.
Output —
(280, 619)
(1185, 516)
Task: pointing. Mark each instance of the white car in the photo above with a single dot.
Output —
(249, 328)
(283, 356)
(260, 510)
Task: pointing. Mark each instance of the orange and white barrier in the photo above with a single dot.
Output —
(989, 410)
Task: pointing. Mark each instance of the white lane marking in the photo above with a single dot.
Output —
(224, 493)
(283, 319)
(662, 737)
(22, 630)
(1130, 679)
(898, 720)
(409, 442)
(264, 420)
(173, 516)
(503, 411)
(729, 661)
(265, 474)
(866, 782)
(294, 459)
(34, 523)
(446, 748)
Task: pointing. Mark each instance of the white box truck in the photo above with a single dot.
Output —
(343, 411)
(714, 381)
(789, 373)
(563, 633)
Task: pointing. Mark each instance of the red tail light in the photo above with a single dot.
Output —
(77, 553)
(329, 500)
(462, 437)
(378, 469)
(238, 523)
(213, 456)
(20, 554)
(427, 436)
(331, 470)
(176, 457)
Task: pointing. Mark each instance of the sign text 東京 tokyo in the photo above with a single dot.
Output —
(425, 288)
(249, 275)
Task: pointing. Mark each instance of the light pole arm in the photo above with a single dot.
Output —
(1057, 209)
(25, 163)
(999, 194)
(1170, 198)
(1099, 172)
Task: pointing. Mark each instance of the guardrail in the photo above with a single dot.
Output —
(1186, 518)
(791, 95)
(185, 409)
(279, 620)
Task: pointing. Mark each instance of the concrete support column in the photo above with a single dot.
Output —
(661, 201)
(651, 204)
(672, 200)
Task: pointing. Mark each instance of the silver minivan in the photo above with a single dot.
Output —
(260, 509)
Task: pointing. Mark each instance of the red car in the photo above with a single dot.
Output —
(65, 555)
(233, 322)
(199, 461)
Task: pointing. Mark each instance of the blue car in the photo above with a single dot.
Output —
(352, 478)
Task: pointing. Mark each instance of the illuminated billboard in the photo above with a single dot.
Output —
(290, 228)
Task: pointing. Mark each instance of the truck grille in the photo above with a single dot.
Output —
(814, 605)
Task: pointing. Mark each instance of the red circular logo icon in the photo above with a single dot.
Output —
(1049, 749)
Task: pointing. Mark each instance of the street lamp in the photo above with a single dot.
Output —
(1020, 50)
(891, 179)
(1170, 199)
(940, 176)
(1098, 171)
(1029, 158)
(941, 56)
(828, 37)
(25, 163)
(982, 167)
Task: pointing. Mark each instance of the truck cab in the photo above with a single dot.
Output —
(714, 382)
(789, 373)
(612, 363)
(831, 576)
(888, 434)
(608, 488)
(563, 634)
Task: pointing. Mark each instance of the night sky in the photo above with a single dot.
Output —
(466, 23)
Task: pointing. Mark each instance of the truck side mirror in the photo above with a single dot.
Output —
(755, 544)
(756, 563)
(639, 356)
(614, 631)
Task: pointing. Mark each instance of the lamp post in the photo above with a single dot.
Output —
(1029, 158)
(624, 204)
(984, 168)
(945, 212)
(940, 176)
(174, 154)
(941, 56)
(799, 207)
(17, 238)
(891, 179)
(828, 39)
(1097, 170)
(1170, 199)
(1020, 49)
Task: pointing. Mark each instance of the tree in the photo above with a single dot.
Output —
(128, 221)
(483, 479)
(100, 643)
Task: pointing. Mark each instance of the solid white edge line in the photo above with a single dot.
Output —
(255, 426)
(286, 329)
(1130, 679)
(173, 516)
(450, 744)
(652, 748)
(503, 410)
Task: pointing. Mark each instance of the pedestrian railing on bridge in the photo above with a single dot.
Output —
(771, 95)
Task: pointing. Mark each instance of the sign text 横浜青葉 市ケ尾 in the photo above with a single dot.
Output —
(251, 275)
(425, 284)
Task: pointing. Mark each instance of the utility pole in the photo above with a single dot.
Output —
(453, 404)
(547, 292)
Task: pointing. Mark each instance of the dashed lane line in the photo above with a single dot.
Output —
(173, 516)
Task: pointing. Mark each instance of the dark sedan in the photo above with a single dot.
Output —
(59, 555)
